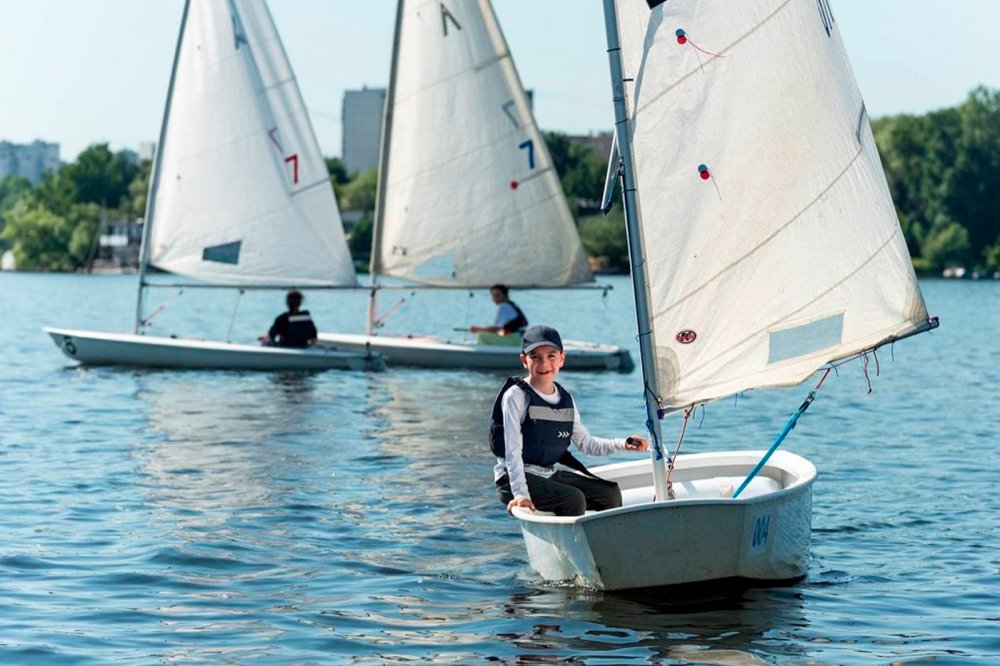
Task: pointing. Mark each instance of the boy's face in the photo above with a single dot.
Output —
(497, 296)
(543, 362)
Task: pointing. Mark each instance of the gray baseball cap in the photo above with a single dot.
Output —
(540, 336)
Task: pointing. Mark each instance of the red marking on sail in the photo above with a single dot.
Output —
(686, 337)
(682, 39)
(514, 184)
(294, 159)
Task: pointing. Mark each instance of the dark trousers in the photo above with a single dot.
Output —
(565, 493)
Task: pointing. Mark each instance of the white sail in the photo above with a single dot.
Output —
(243, 195)
(770, 240)
(469, 194)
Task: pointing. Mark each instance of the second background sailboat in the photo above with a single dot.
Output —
(467, 196)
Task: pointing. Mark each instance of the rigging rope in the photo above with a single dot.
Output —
(380, 321)
(232, 320)
(673, 457)
(781, 436)
(160, 309)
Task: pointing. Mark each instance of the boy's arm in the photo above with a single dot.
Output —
(587, 443)
(514, 405)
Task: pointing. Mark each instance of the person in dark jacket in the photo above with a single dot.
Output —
(294, 328)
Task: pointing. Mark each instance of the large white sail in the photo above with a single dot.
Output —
(770, 240)
(242, 193)
(469, 195)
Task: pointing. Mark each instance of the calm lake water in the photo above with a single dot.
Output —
(153, 517)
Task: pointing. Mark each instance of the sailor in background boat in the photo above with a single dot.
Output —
(294, 328)
(508, 325)
(534, 423)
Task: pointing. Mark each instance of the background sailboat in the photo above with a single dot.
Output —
(467, 196)
(239, 194)
(766, 246)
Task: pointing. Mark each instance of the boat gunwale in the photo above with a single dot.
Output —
(804, 471)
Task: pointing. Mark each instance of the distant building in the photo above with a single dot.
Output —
(600, 142)
(29, 160)
(362, 128)
(118, 245)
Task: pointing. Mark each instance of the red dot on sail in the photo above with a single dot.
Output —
(705, 175)
(513, 184)
(681, 39)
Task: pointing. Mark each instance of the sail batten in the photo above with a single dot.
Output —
(771, 242)
(468, 196)
(240, 161)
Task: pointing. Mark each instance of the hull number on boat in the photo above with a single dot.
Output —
(760, 531)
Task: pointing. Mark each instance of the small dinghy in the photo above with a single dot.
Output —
(239, 196)
(434, 352)
(765, 248)
(705, 535)
(468, 195)
(148, 351)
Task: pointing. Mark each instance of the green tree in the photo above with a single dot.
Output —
(85, 221)
(359, 193)
(360, 239)
(13, 191)
(40, 238)
(138, 190)
(338, 174)
(580, 168)
(604, 236)
(56, 192)
(973, 186)
(102, 177)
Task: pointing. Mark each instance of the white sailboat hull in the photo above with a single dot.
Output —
(701, 536)
(432, 352)
(101, 348)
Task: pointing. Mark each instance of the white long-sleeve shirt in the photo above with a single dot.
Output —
(515, 405)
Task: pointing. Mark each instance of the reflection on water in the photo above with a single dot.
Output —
(720, 624)
(221, 445)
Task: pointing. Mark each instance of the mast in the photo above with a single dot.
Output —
(383, 172)
(154, 178)
(623, 133)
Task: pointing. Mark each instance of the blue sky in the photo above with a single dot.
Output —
(87, 71)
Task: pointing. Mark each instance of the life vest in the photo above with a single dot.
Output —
(546, 429)
(300, 330)
(517, 323)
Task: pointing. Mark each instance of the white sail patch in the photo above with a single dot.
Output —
(806, 339)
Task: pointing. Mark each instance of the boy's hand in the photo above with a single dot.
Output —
(520, 501)
(636, 443)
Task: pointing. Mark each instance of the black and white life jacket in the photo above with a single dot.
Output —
(546, 429)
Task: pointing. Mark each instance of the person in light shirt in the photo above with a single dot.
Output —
(507, 325)
(539, 423)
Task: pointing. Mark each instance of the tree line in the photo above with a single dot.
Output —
(943, 170)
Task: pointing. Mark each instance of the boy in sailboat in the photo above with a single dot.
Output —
(294, 328)
(534, 422)
(507, 325)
